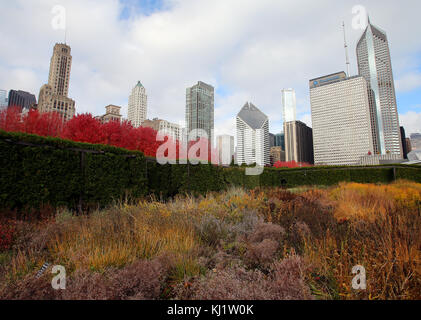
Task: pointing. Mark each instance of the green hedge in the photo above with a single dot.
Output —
(37, 171)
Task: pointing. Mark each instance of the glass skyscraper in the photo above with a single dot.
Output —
(200, 109)
(374, 64)
(289, 105)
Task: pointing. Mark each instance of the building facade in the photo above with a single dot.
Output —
(404, 146)
(289, 105)
(272, 140)
(22, 99)
(374, 64)
(53, 97)
(200, 104)
(280, 140)
(112, 113)
(252, 136)
(416, 141)
(298, 142)
(171, 129)
(138, 105)
(225, 147)
(340, 112)
(408, 145)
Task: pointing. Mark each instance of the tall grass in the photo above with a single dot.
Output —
(234, 234)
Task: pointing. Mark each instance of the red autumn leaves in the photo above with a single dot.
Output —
(85, 128)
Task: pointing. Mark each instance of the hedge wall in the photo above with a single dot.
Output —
(36, 171)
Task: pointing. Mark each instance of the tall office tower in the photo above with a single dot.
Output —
(171, 129)
(298, 142)
(200, 109)
(375, 65)
(340, 112)
(280, 140)
(289, 105)
(3, 99)
(225, 145)
(53, 97)
(22, 99)
(404, 147)
(252, 136)
(138, 105)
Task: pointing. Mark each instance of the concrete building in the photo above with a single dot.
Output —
(200, 105)
(171, 129)
(3, 99)
(112, 113)
(416, 141)
(277, 154)
(298, 142)
(252, 136)
(272, 140)
(340, 112)
(404, 146)
(138, 105)
(22, 99)
(225, 147)
(289, 105)
(53, 97)
(374, 64)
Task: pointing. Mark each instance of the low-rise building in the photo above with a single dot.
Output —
(171, 129)
(112, 113)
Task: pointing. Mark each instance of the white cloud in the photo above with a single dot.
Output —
(408, 82)
(411, 121)
(250, 48)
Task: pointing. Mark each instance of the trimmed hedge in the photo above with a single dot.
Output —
(37, 171)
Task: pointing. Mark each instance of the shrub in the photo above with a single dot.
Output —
(284, 282)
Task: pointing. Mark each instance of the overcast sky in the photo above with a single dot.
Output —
(247, 49)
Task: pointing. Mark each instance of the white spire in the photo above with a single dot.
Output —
(346, 51)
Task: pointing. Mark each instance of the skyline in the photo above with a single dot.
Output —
(252, 69)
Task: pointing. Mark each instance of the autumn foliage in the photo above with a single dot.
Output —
(82, 128)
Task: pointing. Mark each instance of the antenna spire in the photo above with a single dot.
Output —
(346, 51)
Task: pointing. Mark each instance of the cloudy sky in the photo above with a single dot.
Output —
(247, 49)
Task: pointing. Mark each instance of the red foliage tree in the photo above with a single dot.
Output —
(83, 128)
(45, 124)
(11, 119)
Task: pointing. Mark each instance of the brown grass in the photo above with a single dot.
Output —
(249, 241)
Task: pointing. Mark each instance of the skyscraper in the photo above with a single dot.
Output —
(341, 120)
(200, 109)
(298, 142)
(22, 99)
(3, 99)
(138, 105)
(252, 136)
(225, 145)
(374, 64)
(53, 97)
(289, 105)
